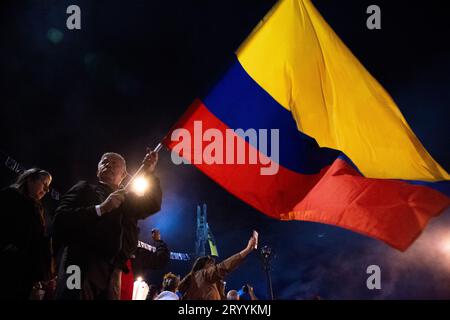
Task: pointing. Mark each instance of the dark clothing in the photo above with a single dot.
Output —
(99, 245)
(207, 283)
(25, 250)
(145, 259)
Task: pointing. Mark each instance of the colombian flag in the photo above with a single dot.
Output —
(347, 156)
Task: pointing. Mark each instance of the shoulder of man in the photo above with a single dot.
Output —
(80, 188)
(81, 185)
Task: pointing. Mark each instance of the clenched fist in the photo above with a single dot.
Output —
(150, 161)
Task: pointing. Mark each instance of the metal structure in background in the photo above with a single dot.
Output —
(266, 254)
(204, 234)
(202, 231)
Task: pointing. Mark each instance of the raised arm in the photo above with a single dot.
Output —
(222, 269)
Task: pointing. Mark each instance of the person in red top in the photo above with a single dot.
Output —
(144, 260)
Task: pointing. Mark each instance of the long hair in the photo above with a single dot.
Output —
(199, 264)
(31, 174)
(21, 185)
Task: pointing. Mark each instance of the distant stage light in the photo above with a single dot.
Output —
(54, 35)
(140, 186)
(140, 289)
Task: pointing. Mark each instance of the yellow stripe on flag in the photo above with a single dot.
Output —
(298, 59)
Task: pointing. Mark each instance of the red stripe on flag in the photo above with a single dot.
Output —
(389, 210)
(393, 211)
(273, 195)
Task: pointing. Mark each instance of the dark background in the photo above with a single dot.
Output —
(120, 82)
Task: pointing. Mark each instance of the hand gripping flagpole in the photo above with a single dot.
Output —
(141, 169)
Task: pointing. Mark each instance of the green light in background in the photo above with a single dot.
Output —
(54, 35)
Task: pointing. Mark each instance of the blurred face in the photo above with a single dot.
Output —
(37, 188)
(156, 235)
(111, 170)
(233, 295)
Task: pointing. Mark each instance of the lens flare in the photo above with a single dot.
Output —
(445, 244)
(140, 186)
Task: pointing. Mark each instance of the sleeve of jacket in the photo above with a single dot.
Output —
(142, 207)
(5, 226)
(73, 218)
(222, 269)
(10, 226)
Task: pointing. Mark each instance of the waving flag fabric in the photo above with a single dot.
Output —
(345, 154)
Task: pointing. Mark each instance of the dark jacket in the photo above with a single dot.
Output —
(151, 260)
(99, 244)
(25, 251)
(207, 283)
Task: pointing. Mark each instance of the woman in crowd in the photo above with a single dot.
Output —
(169, 287)
(205, 281)
(25, 250)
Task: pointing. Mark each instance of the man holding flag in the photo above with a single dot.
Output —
(97, 225)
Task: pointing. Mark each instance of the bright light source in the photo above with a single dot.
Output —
(140, 289)
(140, 185)
(445, 244)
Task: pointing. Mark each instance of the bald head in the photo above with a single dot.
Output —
(232, 295)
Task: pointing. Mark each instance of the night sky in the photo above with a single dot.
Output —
(123, 80)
